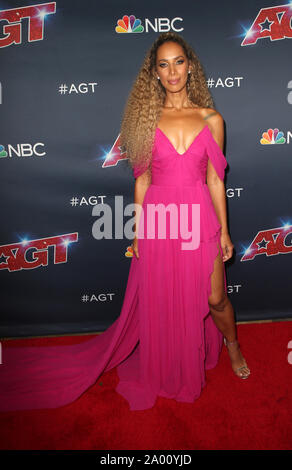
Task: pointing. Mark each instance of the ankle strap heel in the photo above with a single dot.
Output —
(238, 370)
(230, 342)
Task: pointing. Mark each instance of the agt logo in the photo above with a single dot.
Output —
(131, 24)
(115, 154)
(274, 136)
(31, 254)
(36, 14)
(270, 242)
(271, 22)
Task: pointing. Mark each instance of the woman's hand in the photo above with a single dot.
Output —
(227, 246)
(135, 247)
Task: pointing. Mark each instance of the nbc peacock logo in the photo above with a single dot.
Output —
(3, 152)
(272, 136)
(129, 24)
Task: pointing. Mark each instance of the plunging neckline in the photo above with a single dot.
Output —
(184, 153)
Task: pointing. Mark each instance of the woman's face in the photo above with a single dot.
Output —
(172, 66)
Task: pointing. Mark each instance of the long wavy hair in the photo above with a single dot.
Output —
(146, 99)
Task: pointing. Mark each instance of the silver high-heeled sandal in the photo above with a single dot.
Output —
(238, 369)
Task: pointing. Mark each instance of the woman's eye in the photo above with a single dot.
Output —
(180, 61)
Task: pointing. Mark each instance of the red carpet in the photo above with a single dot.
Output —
(230, 414)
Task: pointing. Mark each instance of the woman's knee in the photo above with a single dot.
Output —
(218, 302)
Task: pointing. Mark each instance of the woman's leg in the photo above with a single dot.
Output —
(223, 314)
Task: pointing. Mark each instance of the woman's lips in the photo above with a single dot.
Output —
(173, 82)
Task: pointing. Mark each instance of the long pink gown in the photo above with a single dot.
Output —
(165, 337)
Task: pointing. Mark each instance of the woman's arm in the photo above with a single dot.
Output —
(217, 188)
(217, 191)
(141, 185)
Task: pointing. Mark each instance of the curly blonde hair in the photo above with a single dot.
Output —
(145, 102)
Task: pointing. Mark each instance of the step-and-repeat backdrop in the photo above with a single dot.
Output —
(66, 70)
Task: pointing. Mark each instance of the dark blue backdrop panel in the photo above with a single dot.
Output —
(65, 76)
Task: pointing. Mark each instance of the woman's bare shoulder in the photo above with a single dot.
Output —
(208, 113)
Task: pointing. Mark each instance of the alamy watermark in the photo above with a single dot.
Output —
(184, 222)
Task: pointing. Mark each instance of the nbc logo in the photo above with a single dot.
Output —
(131, 24)
(3, 152)
(272, 136)
(22, 150)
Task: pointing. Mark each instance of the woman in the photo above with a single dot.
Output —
(175, 310)
(165, 123)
